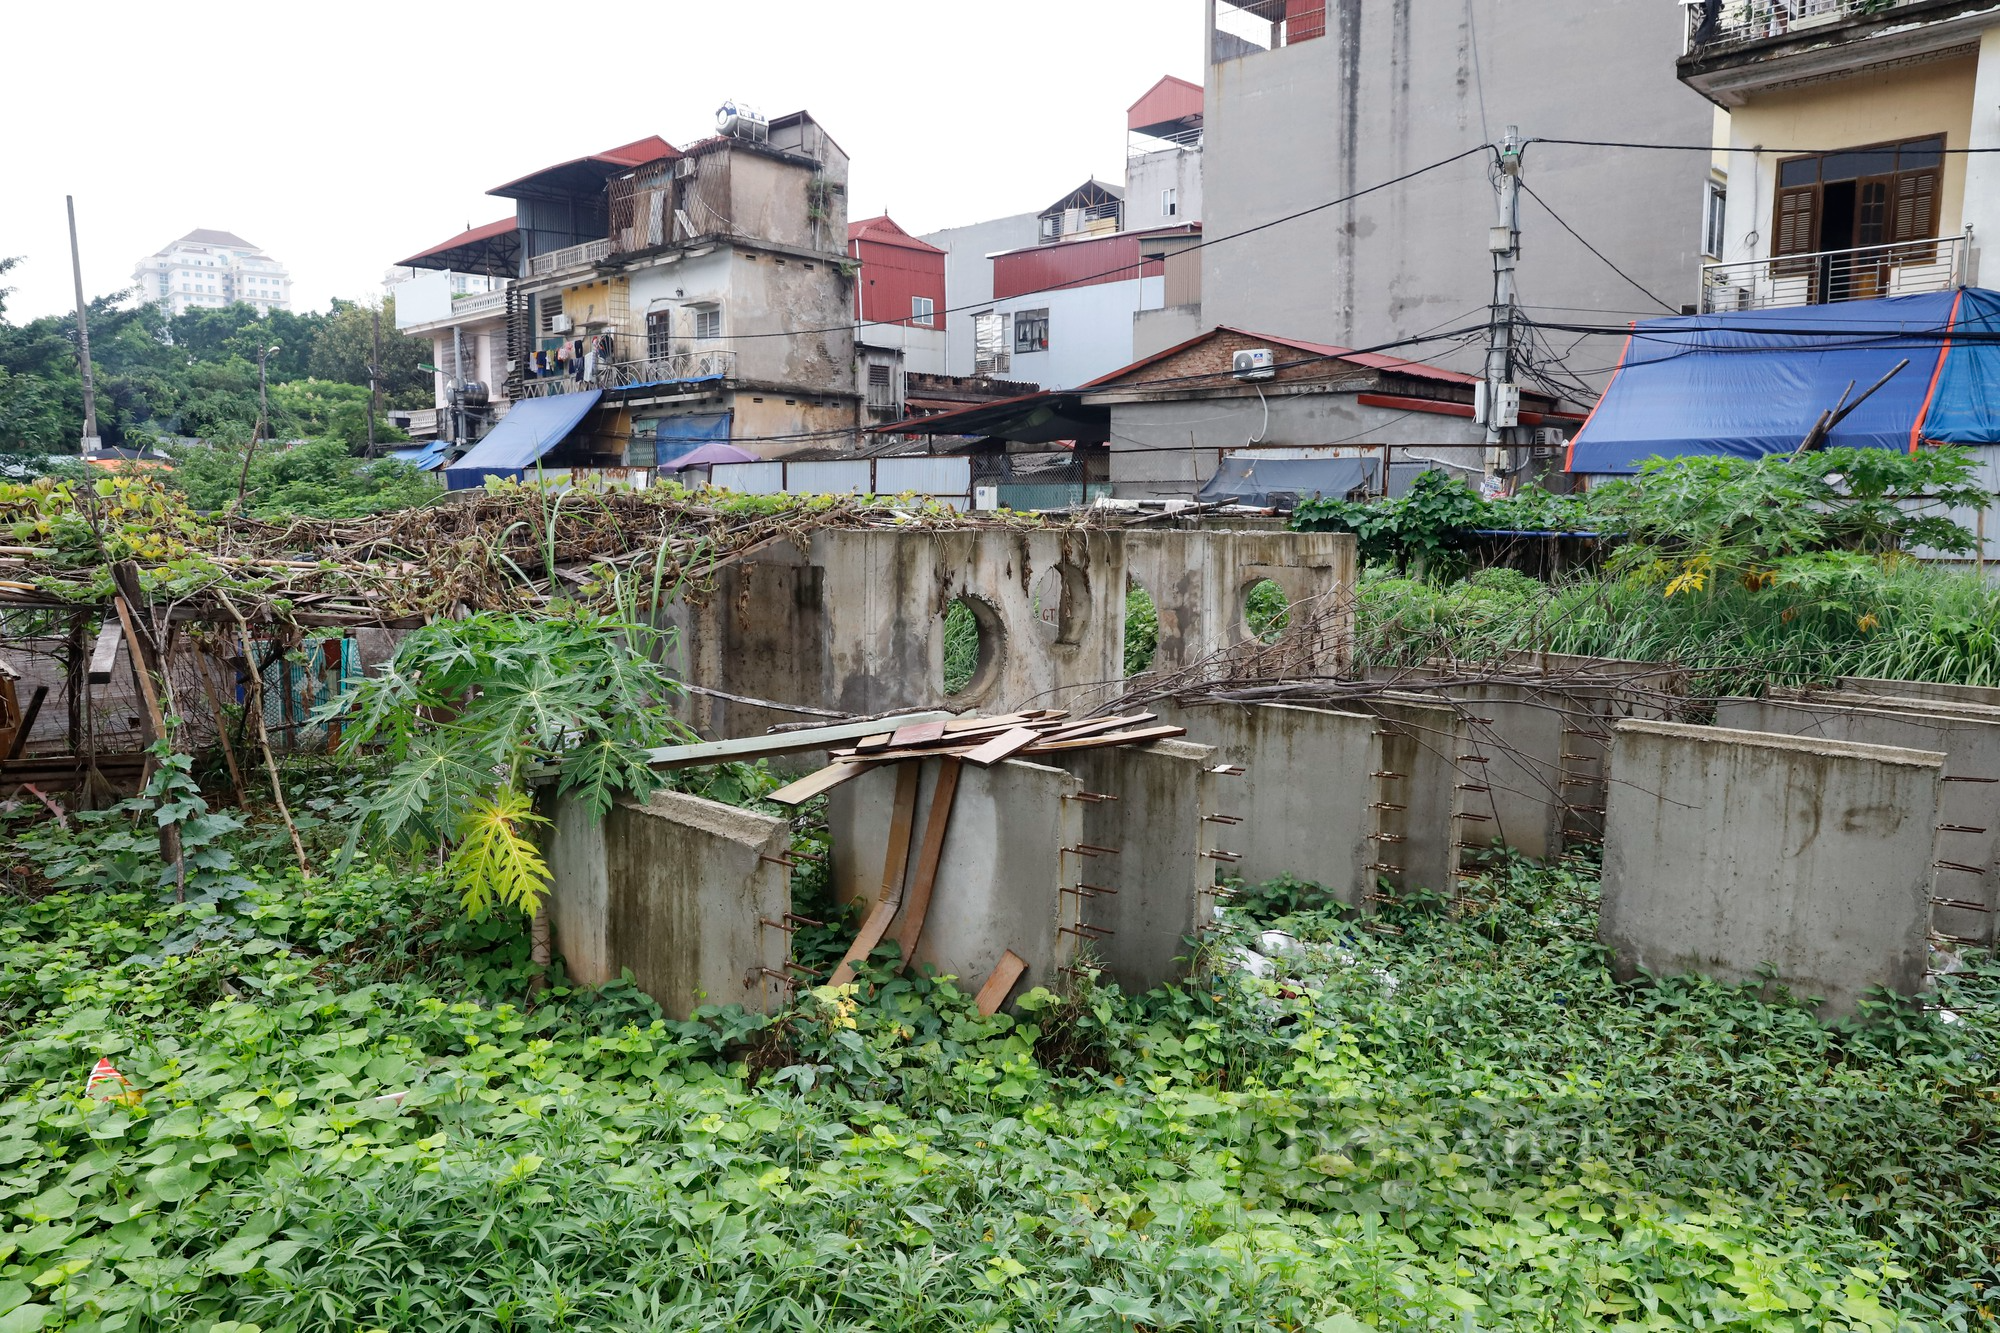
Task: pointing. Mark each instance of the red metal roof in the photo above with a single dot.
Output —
(1170, 101)
(1087, 261)
(472, 237)
(649, 149)
(884, 231)
(1372, 360)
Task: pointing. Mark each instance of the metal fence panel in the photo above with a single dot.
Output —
(842, 478)
(923, 476)
(749, 478)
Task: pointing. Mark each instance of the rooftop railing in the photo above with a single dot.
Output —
(1713, 23)
(574, 256)
(1828, 276)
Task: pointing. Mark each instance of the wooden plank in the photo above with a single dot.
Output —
(28, 716)
(105, 655)
(923, 733)
(880, 742)
(1005, 973)
(815, 784)
(1003, 745)
(772, 747)
(155, 720)
(1139, 737)
(919, 902)
(895, 869)
(1101, 724)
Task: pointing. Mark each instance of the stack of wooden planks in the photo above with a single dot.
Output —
(983, 741)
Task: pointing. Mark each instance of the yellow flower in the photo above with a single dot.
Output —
(1867, 623)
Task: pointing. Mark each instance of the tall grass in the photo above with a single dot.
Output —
(1906, 622)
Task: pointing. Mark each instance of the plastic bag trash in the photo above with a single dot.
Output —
(107, 1084)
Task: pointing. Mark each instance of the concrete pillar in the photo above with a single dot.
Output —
(1008, 855)
(1728, 851)
(1982, 171)
(677, 891)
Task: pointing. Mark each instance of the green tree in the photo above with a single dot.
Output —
(344, 344)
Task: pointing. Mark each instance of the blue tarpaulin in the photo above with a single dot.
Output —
(1755, 382)
(531, 428)
(422, 457)
(676, 437)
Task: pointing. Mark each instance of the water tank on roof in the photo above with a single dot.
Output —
(741, 122)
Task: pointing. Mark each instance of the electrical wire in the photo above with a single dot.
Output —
(1636, 284)
(1090, 278)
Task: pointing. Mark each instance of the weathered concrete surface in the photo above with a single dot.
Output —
(855, 622)
(1729, 850)
(1429, 770)
(1161, 883)
(674, 890)
(1200, 583)
(1985, 695)
(1968, 810)
(1305, 794)
(1000, 880)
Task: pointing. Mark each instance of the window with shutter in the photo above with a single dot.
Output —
(1797, 229)
(1916, 216)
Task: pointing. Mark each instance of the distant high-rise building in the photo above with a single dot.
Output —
(213, 268)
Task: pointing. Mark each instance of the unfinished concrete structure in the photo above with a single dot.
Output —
(1727, 852)
(1002, 881)
(1967, 875)
(687, 895)
(854, 620)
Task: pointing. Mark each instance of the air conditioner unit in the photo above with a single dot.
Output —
(1254, 363)
(1550, 439)
(559, 324)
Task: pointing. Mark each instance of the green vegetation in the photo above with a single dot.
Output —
(196, 374)
(344, 1112)
(961, 647)
(1142, 630)
(1786, 569)
(320, 479)
(1267, 611)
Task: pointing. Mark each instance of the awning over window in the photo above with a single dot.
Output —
(1282, 482)
(1755, 382)
(675, 437)
(531, 428)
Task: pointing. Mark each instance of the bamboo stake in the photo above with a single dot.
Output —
(263, 732)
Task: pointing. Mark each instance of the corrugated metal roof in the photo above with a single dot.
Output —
(1169, 102)
(474, 236)
(884, 231)
(1372, 360)
(649, 149)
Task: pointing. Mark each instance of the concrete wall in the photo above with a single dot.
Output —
(1154, 331)
(968, 274)
(1000, 880)
(1984, 695)
(1161, 880)
(856, 624)
(676, 891)
(1425, 770)
(1090, 329)
(1968, 808)
(1305, 795)
(1729, 850)
(1162, 449)
(1398, 84)
(1200, 584)
(1177, 169)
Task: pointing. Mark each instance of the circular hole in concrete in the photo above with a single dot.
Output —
(972, 639)
(1266, 610)
(1142, 628)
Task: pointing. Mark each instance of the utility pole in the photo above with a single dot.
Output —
(1499, 397)
(91, 443)
(374, 381)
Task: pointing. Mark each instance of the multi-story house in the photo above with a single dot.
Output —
(672, 297)
(900, 311)
(1315, 108)
(1849, 123)
(214, 269)
(1057, 297)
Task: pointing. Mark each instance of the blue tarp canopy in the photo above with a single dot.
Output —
(676, 437)
(531, 428)
(1755, 382)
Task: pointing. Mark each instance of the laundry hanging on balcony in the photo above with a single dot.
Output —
(1756, 382)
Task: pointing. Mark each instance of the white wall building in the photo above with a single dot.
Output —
(213, 268)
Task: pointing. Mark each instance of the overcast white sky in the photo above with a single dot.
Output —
(341, 137)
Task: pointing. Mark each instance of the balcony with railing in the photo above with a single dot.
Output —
(476, 304)
(633, 364)
(1740, 47)
(569, 257)
(1828, 276)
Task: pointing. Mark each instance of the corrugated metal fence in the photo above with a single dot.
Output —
(948, 480)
